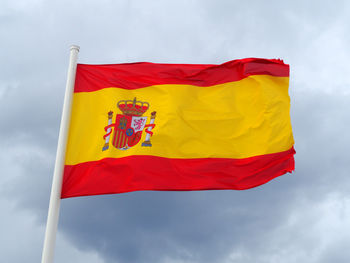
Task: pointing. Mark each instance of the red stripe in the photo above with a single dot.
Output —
(135, 173)
(124, 140)
(116, 132)
(143, 74)
(118, 139)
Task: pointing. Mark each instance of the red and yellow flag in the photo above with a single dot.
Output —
(147, 126)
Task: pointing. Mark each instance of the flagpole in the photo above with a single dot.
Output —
(55, 198)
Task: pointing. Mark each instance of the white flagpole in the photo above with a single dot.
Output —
(55, 198)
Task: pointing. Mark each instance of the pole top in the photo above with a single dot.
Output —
(75, 47)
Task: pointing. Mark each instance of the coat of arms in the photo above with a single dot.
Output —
(128, 126)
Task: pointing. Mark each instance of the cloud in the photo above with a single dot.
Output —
(294, 218)
(22, 238)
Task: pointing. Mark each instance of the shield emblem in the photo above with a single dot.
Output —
(128, 126)
(128, 130)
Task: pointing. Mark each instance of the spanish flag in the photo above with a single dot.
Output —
(149, 126)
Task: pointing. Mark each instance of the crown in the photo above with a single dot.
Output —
(133, 107)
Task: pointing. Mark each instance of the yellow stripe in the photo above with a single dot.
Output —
(232, 120)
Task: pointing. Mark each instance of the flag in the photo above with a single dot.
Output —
(150, 126)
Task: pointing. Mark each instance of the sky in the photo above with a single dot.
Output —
(299, 217)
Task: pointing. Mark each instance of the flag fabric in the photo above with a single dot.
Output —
(149, 126)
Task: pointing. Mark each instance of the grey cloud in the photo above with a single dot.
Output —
(284, 220)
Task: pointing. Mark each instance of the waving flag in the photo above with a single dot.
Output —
(147, 126)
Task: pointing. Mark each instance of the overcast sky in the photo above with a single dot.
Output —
(299, 217)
